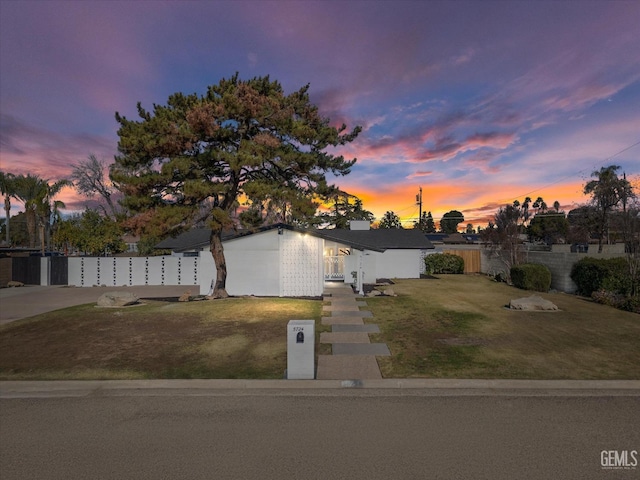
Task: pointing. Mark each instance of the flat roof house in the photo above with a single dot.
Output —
(282, 260)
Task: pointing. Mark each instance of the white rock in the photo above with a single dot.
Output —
(117, 299)
(533, 302)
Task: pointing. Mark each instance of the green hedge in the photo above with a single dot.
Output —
(443, 263)
(593, 274)
(531, 276)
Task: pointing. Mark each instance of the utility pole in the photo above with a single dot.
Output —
(419, 202)
(624, 192)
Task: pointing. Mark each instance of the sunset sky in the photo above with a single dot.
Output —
(478, 102)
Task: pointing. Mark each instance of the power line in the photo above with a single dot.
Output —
(572, 174)
(477, 218)
(623, 150)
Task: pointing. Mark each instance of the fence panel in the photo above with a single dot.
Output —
(6, 271)
(26, 270)
(120, 271)
(59, 271)
(471, 259)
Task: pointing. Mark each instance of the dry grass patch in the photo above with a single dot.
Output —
(231, 338)
(457, 326)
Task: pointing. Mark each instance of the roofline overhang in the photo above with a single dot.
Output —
(324, 234)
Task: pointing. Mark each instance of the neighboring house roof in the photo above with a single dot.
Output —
(190, 240)
(377, 240)
(128, 238)
(454, 237)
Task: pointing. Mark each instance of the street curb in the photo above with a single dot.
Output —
(81, 388)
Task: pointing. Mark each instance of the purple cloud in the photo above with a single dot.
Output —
(482, 91)
(30, 149)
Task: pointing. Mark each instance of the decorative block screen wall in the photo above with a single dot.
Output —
(121, 271)
(302, 266)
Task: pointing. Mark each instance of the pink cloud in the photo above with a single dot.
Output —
(26, 149)
(447, 148)
(584, 95)
(419, 174)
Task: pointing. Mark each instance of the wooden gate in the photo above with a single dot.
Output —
(471, 259)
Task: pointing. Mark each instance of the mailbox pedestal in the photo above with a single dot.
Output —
(300, 349)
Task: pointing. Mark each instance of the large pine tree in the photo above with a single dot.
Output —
(191, 160)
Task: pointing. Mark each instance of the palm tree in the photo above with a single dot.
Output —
(48, 208)
(28, 188)
(607, 191)
(37, 195)
(540, 205)
(7, 189)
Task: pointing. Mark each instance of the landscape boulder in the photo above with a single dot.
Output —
(117, 299)
(14, 283)
(534, 302)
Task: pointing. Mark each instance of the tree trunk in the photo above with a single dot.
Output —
(31, 227)
(603, 226)
(217, 252)
(41, 228)
(112, 207)
(7, 209)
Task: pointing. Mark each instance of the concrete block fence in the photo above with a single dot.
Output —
(98, 271)
(559, 263)
(120, 271)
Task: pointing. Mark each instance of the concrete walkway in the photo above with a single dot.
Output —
(353, 355)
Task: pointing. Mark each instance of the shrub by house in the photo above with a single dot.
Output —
(593, 274)
(531, 276)
(444, 263)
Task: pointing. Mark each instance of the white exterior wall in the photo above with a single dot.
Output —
(398, 263)
(393, 263)
(252, 265)
(271, 265)
(363, 262)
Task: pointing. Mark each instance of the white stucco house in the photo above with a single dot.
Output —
(285, 261)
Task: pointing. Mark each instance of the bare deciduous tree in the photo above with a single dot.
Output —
(89, 180)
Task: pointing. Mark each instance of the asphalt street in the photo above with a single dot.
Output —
(315, 434)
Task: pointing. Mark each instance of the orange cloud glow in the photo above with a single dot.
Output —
(477, 202)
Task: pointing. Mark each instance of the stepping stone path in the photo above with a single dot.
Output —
(353, 355)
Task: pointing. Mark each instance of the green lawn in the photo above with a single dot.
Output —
(457, 326)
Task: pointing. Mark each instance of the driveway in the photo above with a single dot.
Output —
(22, 302)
